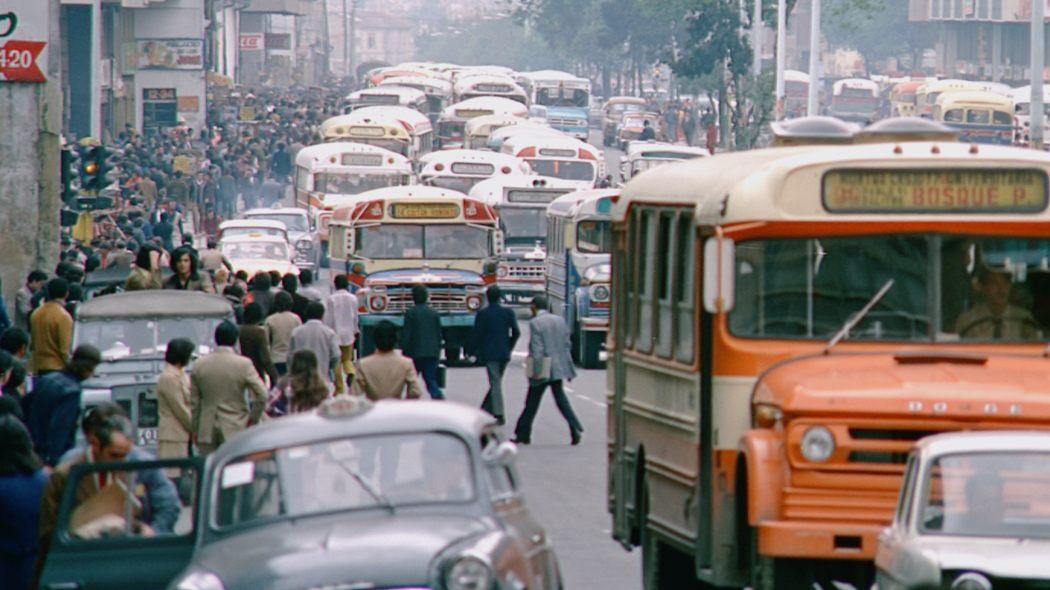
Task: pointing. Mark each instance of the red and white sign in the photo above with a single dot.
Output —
(251, 41)
(23, 43)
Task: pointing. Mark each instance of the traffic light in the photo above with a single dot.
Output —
(100, 169)
(70, 182)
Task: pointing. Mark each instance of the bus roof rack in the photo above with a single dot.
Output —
(819, 130)
(897, 129)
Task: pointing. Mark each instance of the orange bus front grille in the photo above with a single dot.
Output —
(838, 505)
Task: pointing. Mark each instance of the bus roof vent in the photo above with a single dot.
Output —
(898, 129)
(812, 131)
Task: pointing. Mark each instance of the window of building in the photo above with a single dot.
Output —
(997, 9)
(982, 9)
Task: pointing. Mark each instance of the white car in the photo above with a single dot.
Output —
(973, 514)
(259, 254)
(302, 234)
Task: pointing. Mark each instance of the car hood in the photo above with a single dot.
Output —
(380, 549)
(411, 276)
(996, 557)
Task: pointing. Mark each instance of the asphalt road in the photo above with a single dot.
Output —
(565, 486)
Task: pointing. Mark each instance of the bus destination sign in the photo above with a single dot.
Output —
(362, 160)
(934, 191)
(424, 211)
(472, 113)
(472, 168)
(533, 196)
(366, 131)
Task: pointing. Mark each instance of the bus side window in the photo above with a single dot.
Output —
(685, 291)
(645, 279)
(664, 277)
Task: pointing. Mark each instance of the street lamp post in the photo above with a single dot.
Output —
(1036, 124)
(781, 58)
(813, 106)
(756, 39)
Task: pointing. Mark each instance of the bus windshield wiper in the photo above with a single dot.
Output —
(857, 317)
(368, 486)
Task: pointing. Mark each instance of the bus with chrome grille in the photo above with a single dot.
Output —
(788, 322)
(579, 240)
(389, 240)
(521, 204)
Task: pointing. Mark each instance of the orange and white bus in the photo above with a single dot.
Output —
(389, 240)
(398, 129)
(559, 156)
(328, 172)
(788, 322)
(460, 170)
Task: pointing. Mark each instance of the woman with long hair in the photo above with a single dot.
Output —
(22, 480)
(302, 389)
(186, 274)
(146, 272)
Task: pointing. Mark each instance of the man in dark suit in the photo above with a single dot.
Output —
(421, 340)
(495, 334)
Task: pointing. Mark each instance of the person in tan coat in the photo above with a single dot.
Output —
(218, 407)
(386, 374)
(51, 330)
(173, 401)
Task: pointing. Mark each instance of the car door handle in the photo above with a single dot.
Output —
(64, 586)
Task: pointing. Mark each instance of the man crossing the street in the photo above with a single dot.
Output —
(495, 334)
(421, 339)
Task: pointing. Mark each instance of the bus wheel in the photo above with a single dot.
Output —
(590, 350)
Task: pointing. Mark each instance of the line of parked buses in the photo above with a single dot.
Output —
(783, 327)
(982, 112)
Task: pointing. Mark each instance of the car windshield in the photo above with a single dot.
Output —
(352, 184)
(946, 287)
(437, 241)
(564, 169)
(255, 251)
(594, 236)
(562, 97)
(119, 338)
(292, 221)
(988, 494)
(524, 223)
(345, 474)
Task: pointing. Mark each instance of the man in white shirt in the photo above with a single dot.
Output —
(341, 316)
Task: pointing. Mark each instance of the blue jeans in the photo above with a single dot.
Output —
(428, 369)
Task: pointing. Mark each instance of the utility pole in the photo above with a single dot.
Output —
(781, 58)
(327, 40)
(353, 34)
(346, 38)
(813, 106)
(756, 40)
(1036, 124)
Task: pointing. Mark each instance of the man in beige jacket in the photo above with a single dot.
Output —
(217, 401)
(386, 374)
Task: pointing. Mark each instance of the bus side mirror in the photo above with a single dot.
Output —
(497, 242)
(719, 275)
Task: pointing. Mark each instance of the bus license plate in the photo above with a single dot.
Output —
(147, 437)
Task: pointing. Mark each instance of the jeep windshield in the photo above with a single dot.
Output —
(120, 338)
(947, 287)
(379, 471)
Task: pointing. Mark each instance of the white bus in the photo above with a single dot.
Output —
(521, 203)
(437, 90)
(645, 155)
(398, 129)
(327, 171)
(461, 169)
(454, 118)
(478, 85)
(477, 130)
(386, 95)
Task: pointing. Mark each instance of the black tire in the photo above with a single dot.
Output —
(768, 573)
(590, 350)
(663, 566)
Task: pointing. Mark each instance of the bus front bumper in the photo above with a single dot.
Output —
(818, 539)
(459, 320)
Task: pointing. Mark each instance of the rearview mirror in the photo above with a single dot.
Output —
(719, 275)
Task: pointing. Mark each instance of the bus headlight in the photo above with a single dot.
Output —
(817, 444)
(600, 293)
(971, 581)
(503, 271)
(598, 273)
(473, 302)
(377, 302)
(304, 246)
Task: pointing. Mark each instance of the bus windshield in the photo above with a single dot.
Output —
(946, 288)
(562, 97)
(462, 184)
(352, 184)
(524, 223)
(431, 242)
(594, 236)
(564, 169)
